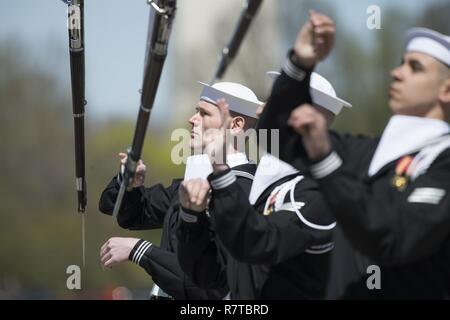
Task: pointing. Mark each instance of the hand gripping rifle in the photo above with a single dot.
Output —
(162, 13)
(75, 24)
(231, 49)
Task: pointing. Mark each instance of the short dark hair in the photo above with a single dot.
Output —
(249, 122)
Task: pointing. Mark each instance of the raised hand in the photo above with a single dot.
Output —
(139, 176)
(194, 194)
(315, 40)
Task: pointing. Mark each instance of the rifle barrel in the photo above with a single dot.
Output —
(230, 50)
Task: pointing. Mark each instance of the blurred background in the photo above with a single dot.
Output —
(40, 229)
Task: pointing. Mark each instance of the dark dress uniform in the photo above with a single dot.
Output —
(271, 253)
(151, 208)
(203, 257)
(393, 219)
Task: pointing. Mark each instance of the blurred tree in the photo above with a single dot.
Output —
(196, 50)
(435, 18)
(41, 230)
(363, 72)
(360, 63)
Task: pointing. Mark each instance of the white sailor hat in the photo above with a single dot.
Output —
(430, 42)
(239, 98)
(322, 93)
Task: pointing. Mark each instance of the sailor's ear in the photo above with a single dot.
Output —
(237, 124)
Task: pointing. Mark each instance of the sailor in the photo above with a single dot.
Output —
(389, 194)
(277, 239)
(159, 207)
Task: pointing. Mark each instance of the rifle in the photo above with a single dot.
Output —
(75, 24)
(162, 14)
(230, 50)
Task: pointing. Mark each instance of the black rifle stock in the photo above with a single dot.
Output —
(77, 73)
(157, 42)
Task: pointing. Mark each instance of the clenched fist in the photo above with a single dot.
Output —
(194, 194)
(311, 123)
(116, 250)
(139, 176)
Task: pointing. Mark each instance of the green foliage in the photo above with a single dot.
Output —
(41, 230)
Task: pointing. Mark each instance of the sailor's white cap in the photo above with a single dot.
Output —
(430, 42)
(239, 98)
(322, 93)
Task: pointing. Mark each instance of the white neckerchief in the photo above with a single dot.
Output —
(236, 159)
(404, 135)
(199, 165)
(270, 169)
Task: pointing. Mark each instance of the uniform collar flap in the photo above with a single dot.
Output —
(270, 169)
(404, 135)
(199, 165)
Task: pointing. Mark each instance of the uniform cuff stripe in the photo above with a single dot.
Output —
(223, 181)
(190, 218)
(244, 174)
(140, 251)
(144, 249)
(293, 71)
(326, 166)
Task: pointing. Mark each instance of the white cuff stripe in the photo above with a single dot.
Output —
(326, 166)
(144, 249)
(224, 181)
(137, 251)
(244, 174)
(140, 251)
(190, 218)
(293, 71)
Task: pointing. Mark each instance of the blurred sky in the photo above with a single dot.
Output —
(116, 32)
